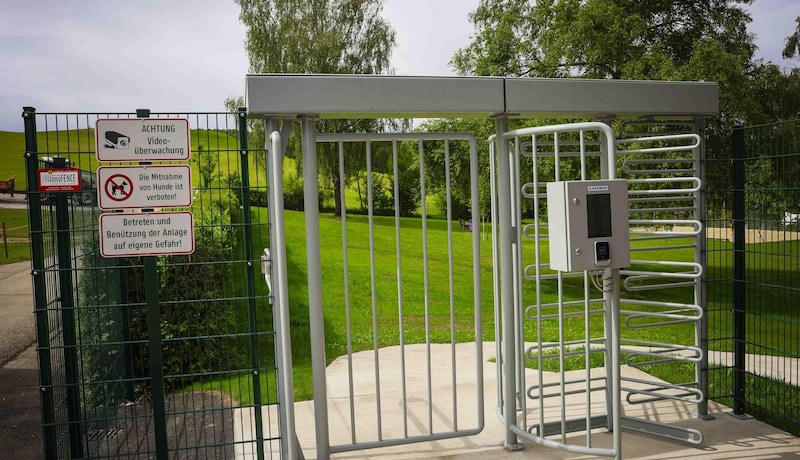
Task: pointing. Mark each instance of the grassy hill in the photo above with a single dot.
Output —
(79, 146)
(12, 161)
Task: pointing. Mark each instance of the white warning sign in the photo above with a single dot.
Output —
(129, 187)
(146, 234)
(142, 139)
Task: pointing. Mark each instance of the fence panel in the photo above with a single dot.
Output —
(753, 259)
(100, 334)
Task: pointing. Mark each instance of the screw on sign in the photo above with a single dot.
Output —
(119, 187)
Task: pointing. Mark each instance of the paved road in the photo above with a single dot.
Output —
(20, 407)
(13, 202)
(17, 330)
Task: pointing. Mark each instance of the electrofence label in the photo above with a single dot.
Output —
(60, 180)
(142, 139)
(160, 186)
(146, 234)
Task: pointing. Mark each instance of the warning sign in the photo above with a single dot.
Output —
(160, 186)
(146, 234)
(142, 139)
(59, 180)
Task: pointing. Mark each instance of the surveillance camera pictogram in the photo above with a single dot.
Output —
(115, 140)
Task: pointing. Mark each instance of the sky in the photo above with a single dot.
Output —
(170, 55)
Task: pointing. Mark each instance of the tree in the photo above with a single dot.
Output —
(617, 39)
(320, 36)
(633, 39)
(598, 38)
(459, 170)
(792, 47)
(255, 132)
(206, 163)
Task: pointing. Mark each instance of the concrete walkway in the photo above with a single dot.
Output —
(725, 437)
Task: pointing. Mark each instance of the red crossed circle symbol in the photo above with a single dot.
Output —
(119, 187)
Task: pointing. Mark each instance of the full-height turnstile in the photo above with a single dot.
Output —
(308, 97)
(565, 332)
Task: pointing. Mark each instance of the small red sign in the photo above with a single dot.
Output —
(60, 180)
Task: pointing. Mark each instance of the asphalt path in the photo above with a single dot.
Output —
(17, 330)
(20, 406)
(17, 201)
(17, 326)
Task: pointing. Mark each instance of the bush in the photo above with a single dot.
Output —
(293, 194)
(410, 193)
(382, 201)
(100, 324)
(196, 309)
(194, 312)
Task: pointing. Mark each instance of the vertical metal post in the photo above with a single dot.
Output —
(506, 285)
(611, 295)
(739, 274)
(611, 298)
(39, 286)
(701, 255)
(122, 271)
(313, 258)
(290, 448)
(154, 344)
(67, 306)
(156, 358)
(251, 292)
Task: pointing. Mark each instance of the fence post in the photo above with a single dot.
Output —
(67, 307)
(39, 286)
(316, 317)
(125, 324)
(244, 194)
(701, 254)
(739, 275)
(154, 343)
(509, 359)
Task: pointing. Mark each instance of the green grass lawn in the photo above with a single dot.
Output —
(15, 222)
(386, 290)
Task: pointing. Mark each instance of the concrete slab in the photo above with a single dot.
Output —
(724, 436)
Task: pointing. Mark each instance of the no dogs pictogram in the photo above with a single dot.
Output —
(119, 187)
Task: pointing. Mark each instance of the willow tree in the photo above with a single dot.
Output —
(792, 46)
(321, 36)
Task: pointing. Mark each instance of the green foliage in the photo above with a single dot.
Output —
(409, 192)
(293, 193)
(233, 182)
(194, 316)
(256, 137)
(321, 36)
(459, 160)
(101, 327)
(598, 38)
(206, 163)
(382, 201)
(627, 39)
(792, 47)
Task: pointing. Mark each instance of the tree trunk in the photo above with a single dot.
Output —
(337, 196)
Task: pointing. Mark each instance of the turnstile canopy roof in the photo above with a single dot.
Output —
(387, 96)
